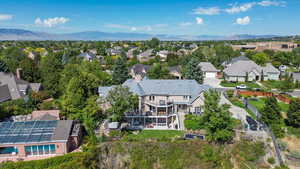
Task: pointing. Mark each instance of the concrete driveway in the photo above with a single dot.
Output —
(213, 82)
(237, 112)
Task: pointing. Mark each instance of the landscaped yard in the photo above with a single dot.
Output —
(272, 84)
(260, 103)
(154, 134)
(234, 84)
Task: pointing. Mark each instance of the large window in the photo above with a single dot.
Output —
(8, 150)
(40, 149)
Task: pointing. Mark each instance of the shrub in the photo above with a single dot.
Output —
(271, 160)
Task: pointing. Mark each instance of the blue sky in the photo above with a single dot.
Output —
(181, 17)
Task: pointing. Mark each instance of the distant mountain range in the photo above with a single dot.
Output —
(20, 34)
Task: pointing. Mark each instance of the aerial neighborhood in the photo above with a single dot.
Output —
(80, 94)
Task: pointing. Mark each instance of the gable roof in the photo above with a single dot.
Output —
(87, 55)
(140, 68)
(16, 85)
(147, 87)
(240, 68)
(208, 67)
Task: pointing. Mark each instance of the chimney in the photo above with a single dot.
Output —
(19, 73)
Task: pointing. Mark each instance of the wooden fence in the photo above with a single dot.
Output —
(280, 97)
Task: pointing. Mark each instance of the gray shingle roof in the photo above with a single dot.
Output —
(62, 130)
(161, 87)
(207, 67)
(240, 68)
(4, 93)
(15, 85)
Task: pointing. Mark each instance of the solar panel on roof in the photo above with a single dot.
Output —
(28, 131)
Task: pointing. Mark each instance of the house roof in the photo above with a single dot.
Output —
(161, 87)
(208, 67)
(4, 93)
(87, 55)
(236, 59)
(140, 68)
(15, 85)
(35, 131)
(146, 53)
(241, 67)
(175, 69)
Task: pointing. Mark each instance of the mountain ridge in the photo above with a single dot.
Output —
(21, 34)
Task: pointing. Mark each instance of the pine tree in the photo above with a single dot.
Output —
(217, 119)
(271, 115)
(193, 71)
(293, 114)
(120, 71)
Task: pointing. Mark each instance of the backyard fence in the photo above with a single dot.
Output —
(280, 97)
(266, 128)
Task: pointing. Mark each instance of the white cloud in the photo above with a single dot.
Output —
(51, 22)
(271, 3)
(5, 17)
(242, 8)
(183, 24)
(199, 21)
(243, 21)
(133, 28)
(207, 11)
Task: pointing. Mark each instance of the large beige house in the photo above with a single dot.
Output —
(162, 103)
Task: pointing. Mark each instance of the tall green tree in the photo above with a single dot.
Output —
(293, 114)
(271, 115)
(192, 70)
(217, 119)
(121, 100)
(51, 67)
(260, 58)
(158, 71)
(120, 71)
(153, 43)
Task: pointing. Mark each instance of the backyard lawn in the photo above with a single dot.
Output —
(259, 104)
(154, 134)
(234, 84)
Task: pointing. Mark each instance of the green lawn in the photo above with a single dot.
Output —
(272, 84)
(234, 84)
(153, 134)
(260, 103)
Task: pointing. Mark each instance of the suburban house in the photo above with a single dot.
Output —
(175, 71)
(130, 53)
(244, 70)
(13, 87)
(87, 56)
(208, 70)
(163, 54)
(139, 71)
(296, 76)
(36, 115)
(37, 139)
(145, 56)
(162, 103)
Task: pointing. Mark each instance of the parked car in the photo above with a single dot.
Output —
(242, 86)
(193, 136)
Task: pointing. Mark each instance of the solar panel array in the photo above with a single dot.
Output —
(26, 131)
